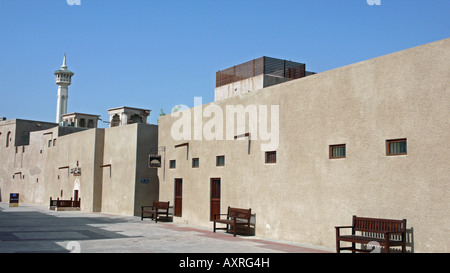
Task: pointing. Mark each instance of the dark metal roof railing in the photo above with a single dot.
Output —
(256, 67)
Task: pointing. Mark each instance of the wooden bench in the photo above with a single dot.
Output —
(234, 217)
(385, 232)
(158, 208)
(55, 204)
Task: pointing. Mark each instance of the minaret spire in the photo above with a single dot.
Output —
(64, 66)
(63, 80)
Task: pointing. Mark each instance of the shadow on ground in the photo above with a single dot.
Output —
(34, 232)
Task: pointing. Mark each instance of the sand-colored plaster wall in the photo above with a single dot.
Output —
(305, 194)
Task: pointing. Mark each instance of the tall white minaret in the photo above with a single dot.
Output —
(63, 80)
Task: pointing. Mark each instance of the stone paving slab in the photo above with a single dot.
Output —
(34, 229)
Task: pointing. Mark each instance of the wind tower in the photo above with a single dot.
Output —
(63, 80)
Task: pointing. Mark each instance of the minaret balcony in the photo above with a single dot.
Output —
(66, 81)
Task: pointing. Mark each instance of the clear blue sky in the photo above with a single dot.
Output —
(157, 54)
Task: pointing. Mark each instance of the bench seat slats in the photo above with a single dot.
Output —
(365, 240)
(229, 221)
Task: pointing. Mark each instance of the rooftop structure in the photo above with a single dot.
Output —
(256, 74)
(80, 120)
(256, 67)
(127, 115)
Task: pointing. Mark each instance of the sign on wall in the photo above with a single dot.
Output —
(144, 180)
(13, 199)
(154, 161)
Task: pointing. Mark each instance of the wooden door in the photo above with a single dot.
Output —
(215, 197)
(178, 197)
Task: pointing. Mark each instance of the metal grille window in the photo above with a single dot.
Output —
(396, 147)
(337, 151)
(220, 160)
(195, 162)
(172, 164)
(271, 157)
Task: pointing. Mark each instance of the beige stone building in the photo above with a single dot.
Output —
(368, 139)
(106, 167)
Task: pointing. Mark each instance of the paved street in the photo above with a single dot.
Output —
(35, 229)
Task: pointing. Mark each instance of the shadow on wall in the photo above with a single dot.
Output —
(409, 244)
(410, 240)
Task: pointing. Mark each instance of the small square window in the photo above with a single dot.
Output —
(172, 164)
(220, 160)
(338, 151)
(195, 162)
(396, 147)
(271, 157)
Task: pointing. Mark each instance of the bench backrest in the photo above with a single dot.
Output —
(239, 213)
(160, 205)
(378, 225)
